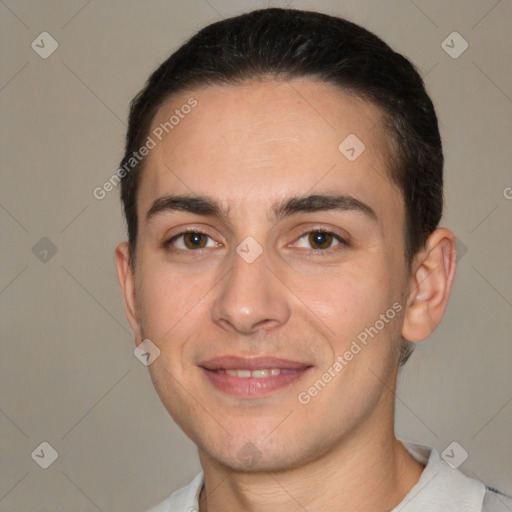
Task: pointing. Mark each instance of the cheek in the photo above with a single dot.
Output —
(170, 307)
(174, 306)
(351, 301)
(164, 298)
(345, 296)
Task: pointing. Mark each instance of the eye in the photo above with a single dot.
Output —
(320, 240)
(189, 240)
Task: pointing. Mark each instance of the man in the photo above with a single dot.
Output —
(282, 187)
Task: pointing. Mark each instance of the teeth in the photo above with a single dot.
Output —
(256, 374)
(260, 374)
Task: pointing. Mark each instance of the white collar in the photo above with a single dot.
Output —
(440, 487)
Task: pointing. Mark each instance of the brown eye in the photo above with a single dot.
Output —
(189, 241)
(320, 239)
(194, 240)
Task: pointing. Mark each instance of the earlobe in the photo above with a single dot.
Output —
(126, 278)
(430, 286)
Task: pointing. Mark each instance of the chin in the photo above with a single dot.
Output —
(250, 459)
(277, 455)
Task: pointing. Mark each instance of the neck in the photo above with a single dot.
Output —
(365, 471)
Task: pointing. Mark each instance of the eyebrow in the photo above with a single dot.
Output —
(207, 206)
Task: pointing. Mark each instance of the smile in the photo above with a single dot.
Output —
(252, 377)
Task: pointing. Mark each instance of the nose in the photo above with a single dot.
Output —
(251, 297)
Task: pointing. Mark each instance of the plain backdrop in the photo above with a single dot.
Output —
(68, 375)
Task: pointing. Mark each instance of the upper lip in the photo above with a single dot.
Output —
(251, 363)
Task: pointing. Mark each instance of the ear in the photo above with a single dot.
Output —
(430, 285)
(126, 277)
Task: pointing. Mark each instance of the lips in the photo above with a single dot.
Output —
(252, 377)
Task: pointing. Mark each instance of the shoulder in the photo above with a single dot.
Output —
(496, 501)
(443, 488)
(182, 500)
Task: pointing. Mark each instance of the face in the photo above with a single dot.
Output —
(290, 257)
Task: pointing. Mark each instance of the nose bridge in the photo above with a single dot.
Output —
(250, 296)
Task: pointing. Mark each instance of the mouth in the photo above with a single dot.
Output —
(252, 377)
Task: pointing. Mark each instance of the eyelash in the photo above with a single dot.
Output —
(168, 244)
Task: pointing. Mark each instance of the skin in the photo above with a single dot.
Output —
(250, 146)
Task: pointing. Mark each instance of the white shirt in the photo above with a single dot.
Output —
(439, 489)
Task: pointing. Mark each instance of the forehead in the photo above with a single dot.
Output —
(245, 144)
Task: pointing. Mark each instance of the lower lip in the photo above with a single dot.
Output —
(251, 386)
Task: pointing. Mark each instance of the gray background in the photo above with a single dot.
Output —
(67, 371)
